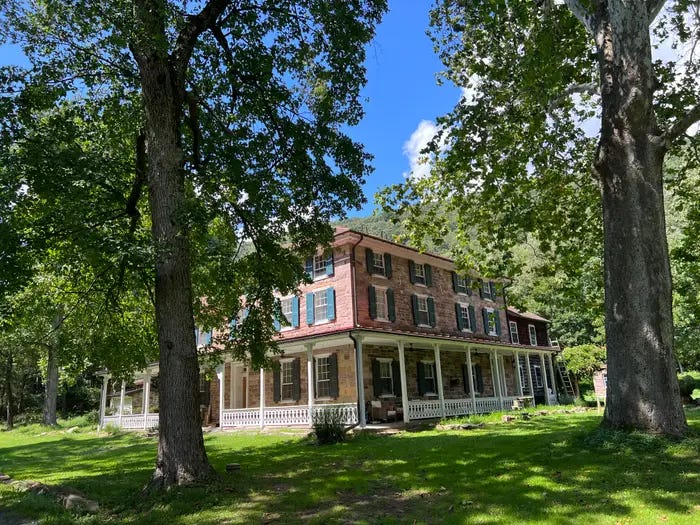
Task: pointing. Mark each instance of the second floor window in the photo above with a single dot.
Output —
(320, 306)
(381, 303)
(287, 310)
(422, 312)
(460, 284)
(533, 334)
(514, 332)
(320, 266)
(378, 263)
(492, 321)
(465, 317)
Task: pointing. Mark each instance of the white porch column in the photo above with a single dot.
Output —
(470, 380)
(262, 397)
(404, 386)
(543, 363)
(103, 402)
(529, 378)
(495, 373)
(310, 380)
(221, 375)
(438, 373)
(146, 397)
(360, 382)
(502, 374)
(551, 374)
(121, 403)
(518, 382)
(232, 386)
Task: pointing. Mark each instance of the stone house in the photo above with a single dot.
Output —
(383, 332)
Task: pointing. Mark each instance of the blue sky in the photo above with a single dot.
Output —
(402, 96)
(402, 92)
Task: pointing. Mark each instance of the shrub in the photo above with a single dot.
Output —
(328, 426)
(686, 384)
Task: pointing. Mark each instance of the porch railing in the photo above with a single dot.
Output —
(285, 416)
(427, 409)
(132, 421)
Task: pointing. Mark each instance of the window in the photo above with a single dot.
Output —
(538, 376)
(382, 310)
(323, 377)
(521, 371)
(464, 317)
(286, 381)
(422, 308)
(287, 310)
(319, 266)
(378, 263)
(386, 376)
(492, 323)
(459, 283)
(320, 307)
(514, 332)
(533, 334)
(420, 273)
(477, 379)
(426, 378)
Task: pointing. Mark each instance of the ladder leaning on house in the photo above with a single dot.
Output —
(565, 377)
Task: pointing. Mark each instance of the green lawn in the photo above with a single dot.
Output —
(551, 469)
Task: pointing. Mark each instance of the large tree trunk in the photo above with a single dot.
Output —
(182, 458)
(642, 385)
(51, 386)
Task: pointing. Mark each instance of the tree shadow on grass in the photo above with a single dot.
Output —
(551, 469)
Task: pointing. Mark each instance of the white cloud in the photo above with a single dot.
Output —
(414, 145)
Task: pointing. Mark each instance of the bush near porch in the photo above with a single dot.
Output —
(556, 468)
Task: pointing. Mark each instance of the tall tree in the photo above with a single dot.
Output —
(513, 158)
(243, 104)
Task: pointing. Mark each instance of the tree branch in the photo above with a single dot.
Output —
(653, 8)
(590, 88)
(584, 13)
(196, 25)
(682, 125)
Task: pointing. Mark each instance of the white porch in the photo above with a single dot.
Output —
(297, 415)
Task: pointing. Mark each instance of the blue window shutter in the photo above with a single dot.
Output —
(310, 308)
(372, 302)
(329, 263)
(310, 267)
(208, 337)
(482, 293)
(498, 322)
(330, 299)
(277, 324)
(387, 265)
(196, 336)
(431, 312)
(295, 312)
(485, 316)
(458, 313)
(428, 274)
(412, 272)
(370, 261)
(391, 305)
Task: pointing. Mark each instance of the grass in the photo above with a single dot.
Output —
(555, 469)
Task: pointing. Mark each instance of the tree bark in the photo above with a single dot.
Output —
(182, 458)
(642, 384)
(51, 386)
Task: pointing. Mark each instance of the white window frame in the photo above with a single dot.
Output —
(385, 363)
(378, 267)
(430, 365)
(318, 295)
(474, 381)
(286, 364)
(532, 332)
(424, 298)
(319, 264)
(317, 359)
(419, 276)
(514, 336)
(283, 300)
(466, 320)
(492, 329)
(380, 291)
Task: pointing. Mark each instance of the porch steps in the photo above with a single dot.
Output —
(565, 377)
